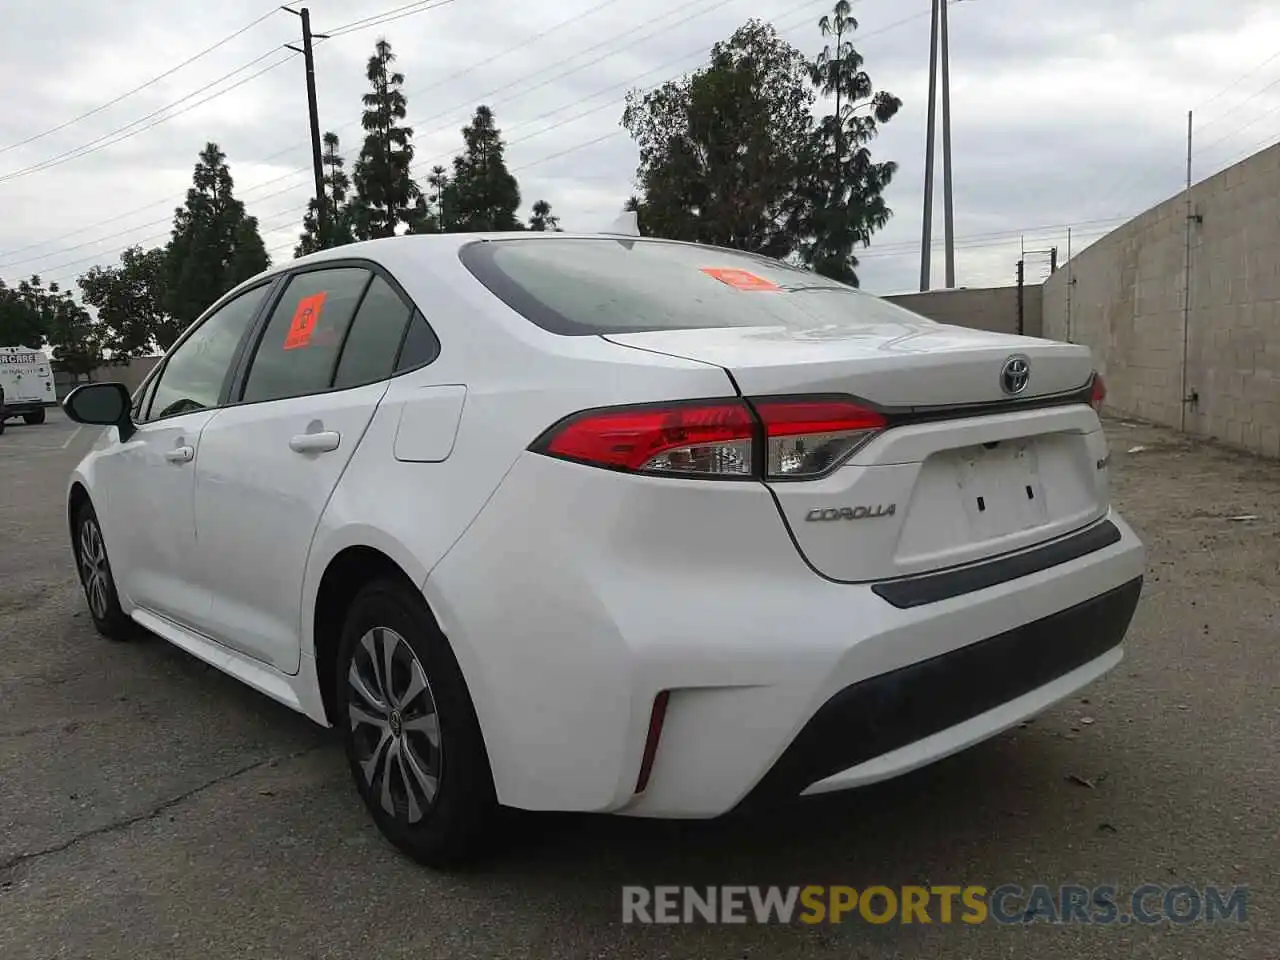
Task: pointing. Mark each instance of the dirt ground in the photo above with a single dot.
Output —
(151, 807)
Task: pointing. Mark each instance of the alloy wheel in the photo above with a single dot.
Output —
(394, 724)
(94, 572)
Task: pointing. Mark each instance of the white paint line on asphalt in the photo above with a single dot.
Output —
(74, 433)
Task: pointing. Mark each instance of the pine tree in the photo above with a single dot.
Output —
(543, 218)
(847, 188)
(337, 204)
(214, 244)
(484, 195)
(429, 211)
(385, 190)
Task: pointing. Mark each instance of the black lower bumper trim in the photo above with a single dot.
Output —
(884, 713)
(932, 587)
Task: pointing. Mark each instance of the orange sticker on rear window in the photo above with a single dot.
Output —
(304, 320)
(739, 279)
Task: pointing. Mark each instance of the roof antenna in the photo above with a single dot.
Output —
(627, 225)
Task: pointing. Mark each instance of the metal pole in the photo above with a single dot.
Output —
(948, 214)
(1186, 289)
(1020, 321)
(317, 162)
(926, 241)
(1070, 282)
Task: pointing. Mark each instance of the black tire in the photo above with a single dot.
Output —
(104, 606)
(34, 418)
(451, 825)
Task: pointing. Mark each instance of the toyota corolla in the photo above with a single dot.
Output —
(602, 523)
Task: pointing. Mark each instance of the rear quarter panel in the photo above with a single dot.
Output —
(518, 381)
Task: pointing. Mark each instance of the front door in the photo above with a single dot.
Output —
(148, 516)
(149, 480)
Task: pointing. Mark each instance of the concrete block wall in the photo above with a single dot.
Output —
(1124, 297)
(131, 373)
(983, 308)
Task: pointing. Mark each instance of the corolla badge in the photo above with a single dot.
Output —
(851, 513)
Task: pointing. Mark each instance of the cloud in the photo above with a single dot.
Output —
(1061, 113)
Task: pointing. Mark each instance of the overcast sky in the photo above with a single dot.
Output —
(1062, 112)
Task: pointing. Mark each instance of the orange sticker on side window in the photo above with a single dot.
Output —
(304, 320)
(739, 279)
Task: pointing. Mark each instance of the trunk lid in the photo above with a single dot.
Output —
(939, 487)
(892, 364)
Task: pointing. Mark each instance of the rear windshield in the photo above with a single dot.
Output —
(591, 286)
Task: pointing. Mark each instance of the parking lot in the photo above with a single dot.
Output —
(152, 807)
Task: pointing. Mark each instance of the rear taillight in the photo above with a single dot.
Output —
(712, 439)
(806, 438)
(1098, 392)
(773, 438)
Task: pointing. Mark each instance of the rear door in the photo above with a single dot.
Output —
(269, 462)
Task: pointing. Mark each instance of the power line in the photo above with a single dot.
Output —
(1270, 140)
(138, 89)
(970, 243)
(438, 83)
(87, 243)
(378, 19)
(292, 211)
(104, 141)
(301, 170)
(698, 52)
(1247, 100)
(1244, 76)
(1146, 171)
(422, 164)
(1001, 236)
(1236, 131)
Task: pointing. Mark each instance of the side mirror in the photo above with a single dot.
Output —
(101, 404)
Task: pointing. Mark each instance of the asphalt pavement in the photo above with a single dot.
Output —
(151, 807)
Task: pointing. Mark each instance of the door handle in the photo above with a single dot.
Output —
(180, 454)
(321, 442)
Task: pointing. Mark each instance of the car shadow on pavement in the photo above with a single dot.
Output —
(972, 808)
(913, 829)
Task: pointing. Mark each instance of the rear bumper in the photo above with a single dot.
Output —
(16, 408)
(628, 587)
(885, 715)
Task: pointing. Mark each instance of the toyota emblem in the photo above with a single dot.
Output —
(1015, 375)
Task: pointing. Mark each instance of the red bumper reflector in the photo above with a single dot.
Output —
(656, 717)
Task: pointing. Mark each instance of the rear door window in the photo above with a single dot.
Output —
(299, 350)
(421, 346)
(370, 351)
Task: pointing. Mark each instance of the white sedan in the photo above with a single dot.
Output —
(602, 523)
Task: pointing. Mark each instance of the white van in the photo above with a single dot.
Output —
(26, 384)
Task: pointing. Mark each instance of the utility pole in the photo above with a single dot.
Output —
(317, 163)
(1184, 399)
(948, 222)
(1070, 283)
(939, 49)
(1021, 325)
(926, 240)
